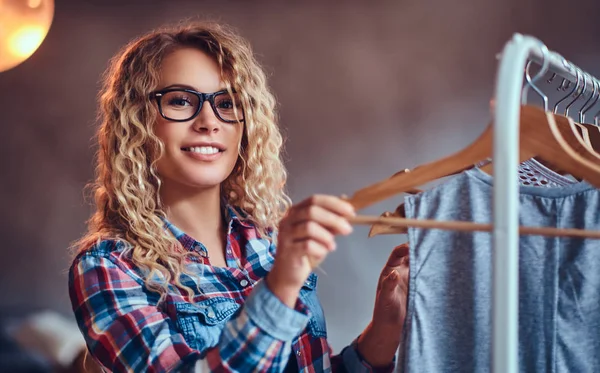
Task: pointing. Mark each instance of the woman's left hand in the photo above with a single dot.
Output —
(380, 340)
(392, 290)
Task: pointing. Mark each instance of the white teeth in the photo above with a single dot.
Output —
(204, 149)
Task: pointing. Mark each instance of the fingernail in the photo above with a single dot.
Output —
(352, 211)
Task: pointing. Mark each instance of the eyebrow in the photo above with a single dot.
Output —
(186, 86)
(177, 85)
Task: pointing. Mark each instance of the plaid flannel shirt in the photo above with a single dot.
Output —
(235, 324)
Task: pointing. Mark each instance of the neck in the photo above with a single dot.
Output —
(196, 212)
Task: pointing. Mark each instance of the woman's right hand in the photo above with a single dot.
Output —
(306, 235)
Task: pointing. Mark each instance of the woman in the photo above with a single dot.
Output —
(179, 266)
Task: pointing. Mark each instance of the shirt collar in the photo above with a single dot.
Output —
(186, 241)
(237, 216)
(234, 218)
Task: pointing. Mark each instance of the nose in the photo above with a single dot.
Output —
(206, 121)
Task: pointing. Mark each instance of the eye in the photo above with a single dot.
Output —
(225, 104)
(228, 102)
(179, 101)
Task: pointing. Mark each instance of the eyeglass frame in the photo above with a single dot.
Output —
(202, 97)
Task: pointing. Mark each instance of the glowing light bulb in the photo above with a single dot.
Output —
(26, 40)
(34, 3)
(24, 25)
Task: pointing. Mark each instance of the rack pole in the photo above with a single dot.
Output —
(509, 83)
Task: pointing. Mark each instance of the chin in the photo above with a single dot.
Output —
(206, 179)
(198, 177)
(205, 182)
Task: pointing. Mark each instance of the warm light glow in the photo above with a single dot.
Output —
(23, 42)
(34, 3)
(24, 25)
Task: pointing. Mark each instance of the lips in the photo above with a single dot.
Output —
(204, 151)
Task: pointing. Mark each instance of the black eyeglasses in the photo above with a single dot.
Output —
(181, 105)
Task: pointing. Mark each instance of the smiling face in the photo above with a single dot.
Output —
(201, 152)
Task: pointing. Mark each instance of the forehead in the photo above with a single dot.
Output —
(192, 67)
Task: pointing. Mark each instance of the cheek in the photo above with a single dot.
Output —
(241, 133)
(168, 133)
(236, 142)
(159, 130)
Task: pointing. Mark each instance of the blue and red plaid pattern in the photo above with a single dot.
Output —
(234, 321)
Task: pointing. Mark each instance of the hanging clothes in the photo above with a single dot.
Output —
(448, 323)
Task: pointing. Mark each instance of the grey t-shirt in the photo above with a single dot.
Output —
(448, 325)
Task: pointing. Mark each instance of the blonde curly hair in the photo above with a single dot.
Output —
(126, 188)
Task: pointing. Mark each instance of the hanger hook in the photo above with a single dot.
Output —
(578, 77)
(531, 81)
(563, 85)
(580, 93)
(566, 86)
(596, 119)
(584, 109)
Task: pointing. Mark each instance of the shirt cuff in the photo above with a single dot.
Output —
(356, 364)
(272, 316)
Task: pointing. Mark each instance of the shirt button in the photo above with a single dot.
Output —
(210, 313)
(298, 352)
(244, 283)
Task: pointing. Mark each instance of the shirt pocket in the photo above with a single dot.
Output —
(308, 296)
(202, 323)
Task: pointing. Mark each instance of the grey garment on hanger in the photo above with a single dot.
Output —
(448, 324)
(532, 172)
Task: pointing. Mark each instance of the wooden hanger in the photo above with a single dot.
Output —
(584, 136)
(554, 139)
(540, 136)
(580, 141)
(582, 133)
(592, 134)
(382, 228)
(572, 141)
(594, 130)
(574, 134)
(471, 227)
(581, 130)
(586, 133)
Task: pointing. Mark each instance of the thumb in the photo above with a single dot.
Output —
(390, 282)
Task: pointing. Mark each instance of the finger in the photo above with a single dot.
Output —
(331, 203)
(311, 230)
(390, 282)
(403, 271)
(326, 218)
(397, 256)
(312, 250)
(404, 262)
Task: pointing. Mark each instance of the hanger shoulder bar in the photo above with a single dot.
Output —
(403, 182)
(471, 227)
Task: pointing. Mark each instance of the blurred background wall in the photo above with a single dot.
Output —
(365, 88)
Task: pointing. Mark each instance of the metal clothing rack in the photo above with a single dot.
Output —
(509, 83)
